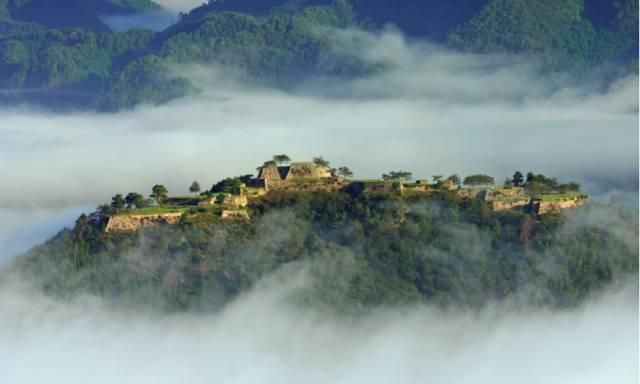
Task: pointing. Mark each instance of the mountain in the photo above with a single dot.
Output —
(358, 255)
(277, 42)
(367, 245)
(86, 14)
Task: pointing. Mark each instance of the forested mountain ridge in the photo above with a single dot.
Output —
(277, 42)
(86, 14)
(360, 251)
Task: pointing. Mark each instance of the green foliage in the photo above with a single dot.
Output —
(144, 210)
(159, 192)
(553, 30)
(398, 176)
(479, 179)
(117, 202)
(195, 187)
(361, 251)
(321, 162)
(134, 200)
(84, 14)
(232, 185)
(517, 179)
(541, 184)
(281, 159)
(282, 42)
(344, 172)
(454, 179)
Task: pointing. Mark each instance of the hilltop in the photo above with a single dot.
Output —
(361, 243)
(231, 198)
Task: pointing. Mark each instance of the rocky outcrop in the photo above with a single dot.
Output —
(505, 199)
(471, 193)
(506, 204)
(124, 223)
(229, 214)
(542, 207)
(227, 199)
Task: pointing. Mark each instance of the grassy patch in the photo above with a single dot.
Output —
(367, 181)
(153, 211)
(559, 196)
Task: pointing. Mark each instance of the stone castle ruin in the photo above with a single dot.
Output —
(294, 176)
(309, 177)
(274, 177)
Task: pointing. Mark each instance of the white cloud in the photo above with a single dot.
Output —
(431, 112)
(180, 5)
(262, 339)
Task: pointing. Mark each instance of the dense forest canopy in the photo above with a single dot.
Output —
(359, 251)
(64, 54)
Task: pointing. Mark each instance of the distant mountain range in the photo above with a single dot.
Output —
(26, 15)
(62, 53)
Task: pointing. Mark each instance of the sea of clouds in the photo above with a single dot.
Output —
(261, 338)
(432, 112)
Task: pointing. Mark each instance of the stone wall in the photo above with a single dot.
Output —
(504, 194)
(471, 193)
(506, 204)
(123, 223)
(229, 199)
(231, 214)
(541, 207)
(306, 185)
(375, 187)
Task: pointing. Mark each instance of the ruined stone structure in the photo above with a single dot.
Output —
(234, 214)
(541, 206)
(227, 200)
(279, 177)
(302, 177)
(375, 186)
(506, 198)
(123, 223)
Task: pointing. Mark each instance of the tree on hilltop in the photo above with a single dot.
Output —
(134, 199)
(345, 172)
(455, 180)
(531, 177)
(569, 187)
(397, 175)
(103, 209)
(232, 185)
(195, 187)
(159, 192)
(479, 179)
(117, 203)
(281, 159)
(320, 162)
(518, 179)
(267, 164)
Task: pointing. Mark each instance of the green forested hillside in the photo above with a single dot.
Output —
(359, 251)
(279, 42)
(556, 29)
(70, 13)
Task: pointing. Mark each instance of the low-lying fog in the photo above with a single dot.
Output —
(155, 21)
(435, 112)
(262, 339)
